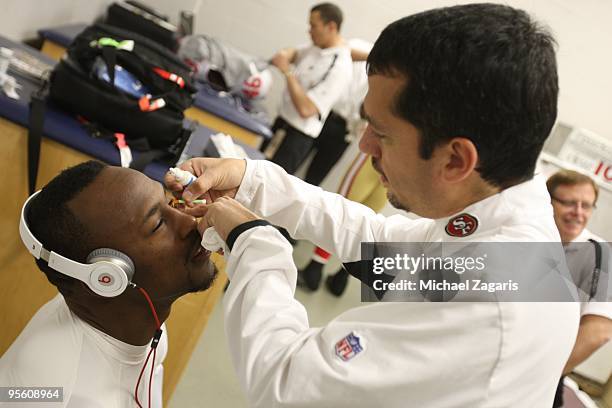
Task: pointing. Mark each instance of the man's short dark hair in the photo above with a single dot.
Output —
(482, 71)
(329, 12)
(56, 226)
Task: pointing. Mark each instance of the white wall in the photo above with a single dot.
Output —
(21, 19)
(582, 29)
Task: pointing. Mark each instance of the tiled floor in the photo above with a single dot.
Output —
(210, 381)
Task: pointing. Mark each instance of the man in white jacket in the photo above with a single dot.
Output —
(460, 102)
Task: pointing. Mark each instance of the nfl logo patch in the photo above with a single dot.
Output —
(349, 347)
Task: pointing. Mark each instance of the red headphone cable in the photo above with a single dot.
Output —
(154, 344)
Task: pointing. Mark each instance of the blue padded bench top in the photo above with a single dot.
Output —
(62, 35)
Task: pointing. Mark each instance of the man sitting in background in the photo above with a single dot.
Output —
(574, 196)
(94, 346)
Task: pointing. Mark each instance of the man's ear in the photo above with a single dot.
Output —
(461, 158)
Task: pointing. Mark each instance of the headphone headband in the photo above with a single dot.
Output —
(107, 276)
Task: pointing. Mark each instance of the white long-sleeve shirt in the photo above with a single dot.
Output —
(325, 75)
(58, 349)
(412, 354)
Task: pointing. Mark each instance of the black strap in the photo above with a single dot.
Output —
(597, 270)
(235, 233)
(324, 77)
(36, 122)
(362, 270)
(109, 56)
(144, 158)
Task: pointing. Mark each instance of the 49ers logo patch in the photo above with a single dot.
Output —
(461, 225)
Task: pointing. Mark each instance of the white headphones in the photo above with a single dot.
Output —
(107, 272)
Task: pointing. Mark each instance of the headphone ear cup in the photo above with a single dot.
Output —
(112, 271)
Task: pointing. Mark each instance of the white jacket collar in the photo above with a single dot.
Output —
(523, 205)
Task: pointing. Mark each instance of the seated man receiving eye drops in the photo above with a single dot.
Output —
(119, 256)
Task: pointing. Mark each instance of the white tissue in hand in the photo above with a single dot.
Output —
(227, 148)
(211, 240)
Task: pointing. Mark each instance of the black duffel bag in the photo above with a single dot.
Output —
(123, 82)
(137, 17)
